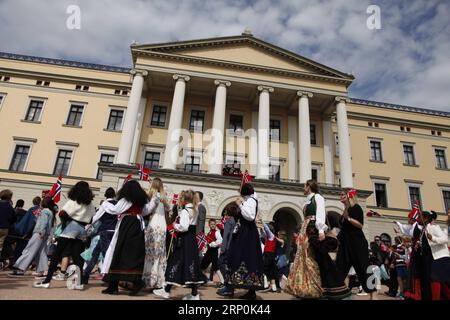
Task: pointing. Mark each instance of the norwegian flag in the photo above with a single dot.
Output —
(56, 190)
(144, 173)
(415, 213)
(128, 178)
(221, 224)
(372, 213)
(171, 230)
(175, 199)
(201, 241)
(246, 178)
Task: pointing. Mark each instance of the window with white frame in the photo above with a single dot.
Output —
(75, 115)
(408, 153)
(441, 161)
(233, 164)
(197, 120)
(313, 135)
(115, 120)
(381, 194)
(274, 171)
(236, 125)
(34, 110)
(275, 129)
(315, 172)
(159, 116)
(62, 163)
(105, 158)
(152, 159)
(414, 195)
(446, 197)
(192, 163)
(375, 150)
(19, 158)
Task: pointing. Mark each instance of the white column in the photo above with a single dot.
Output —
(138, 130)
(176, 119)
(129, 125)
(345, 158)
(292, 147)
(263, 132)
(304, 136)
(215, 149)
(253, 145)
(328, 151)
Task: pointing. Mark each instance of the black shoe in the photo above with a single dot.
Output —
(250, 295)
(225, 292)
(110, 291)
(137, 287)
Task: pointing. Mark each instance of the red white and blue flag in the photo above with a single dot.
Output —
(415, 213)
(56, 190)
(144, 173)
(128, 178)
(246, 178)
(201, 241)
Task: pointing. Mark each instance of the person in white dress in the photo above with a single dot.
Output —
(155, 237)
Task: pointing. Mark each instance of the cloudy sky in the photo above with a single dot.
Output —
(407, 61)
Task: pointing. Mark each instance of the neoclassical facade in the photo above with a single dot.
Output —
(193, 111)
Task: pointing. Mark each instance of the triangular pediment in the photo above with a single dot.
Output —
(245, 51)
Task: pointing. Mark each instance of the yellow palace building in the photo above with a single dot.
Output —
(193, 111)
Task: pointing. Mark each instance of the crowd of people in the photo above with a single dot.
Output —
(141, 242)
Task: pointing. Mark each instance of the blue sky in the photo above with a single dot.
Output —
(406, 62)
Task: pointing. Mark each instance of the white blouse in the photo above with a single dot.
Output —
(321, 215)
(248, 207)
(186, 219)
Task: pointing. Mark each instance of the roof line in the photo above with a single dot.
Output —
(62, 62)
(401, 107)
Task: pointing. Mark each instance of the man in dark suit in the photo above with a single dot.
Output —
(201, 214)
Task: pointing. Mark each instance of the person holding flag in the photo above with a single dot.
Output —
(214, 241)
(55, 193)
(183, 266)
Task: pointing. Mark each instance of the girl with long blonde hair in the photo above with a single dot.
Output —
(155, 237)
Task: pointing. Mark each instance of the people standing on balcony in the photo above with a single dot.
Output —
(77, 212)
(106, 229)
(214, 239)
(183, 265)
(354, 249)
(124, 260)
(201, 220)
(36, 249)
(155, 237)
(245, 261)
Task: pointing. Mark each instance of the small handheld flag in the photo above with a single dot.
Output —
(171, 230)
(128, 178)
(415, 213)
(55, 193)
(175, 199)
(144, 173)
(201, 241)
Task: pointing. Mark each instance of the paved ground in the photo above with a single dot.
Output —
(21, 289)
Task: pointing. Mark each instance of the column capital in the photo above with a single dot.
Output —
(265, 88)
(304, 94)
(222, 83)
(181, 77)
(341, 99)
(141, 72)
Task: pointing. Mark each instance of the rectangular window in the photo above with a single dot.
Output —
(34, 110)
(19, 158)
(441, 161)
(192, 164)
(275, 126)
(197, 120)
(104, 158)
(336, 145)
(375, 151)
(446, 196)
(159, 116)
(408, 152)
(314, 174)
(312, 130)
(151, 159)
(236, 124)
(274, 172)
(2, 97)
(62, 162)
(75, 114)
(115, 120)
(414, 195)
(381, 195)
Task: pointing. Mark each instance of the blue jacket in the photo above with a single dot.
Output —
(44, 222)
(7, 215)
(27, 223)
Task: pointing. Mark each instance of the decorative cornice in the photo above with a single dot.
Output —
(25, 139)
(304, 94)
(181, 77)
(222, 83)
(266, 88)
(140, 72)
(69, 144)
(64, 63)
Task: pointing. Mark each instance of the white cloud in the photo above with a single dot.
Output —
(406, 62)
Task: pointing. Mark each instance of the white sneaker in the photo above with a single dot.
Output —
(40, 284)
(78, 287)
(161, 293)
(191, 297)
(60, 277)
